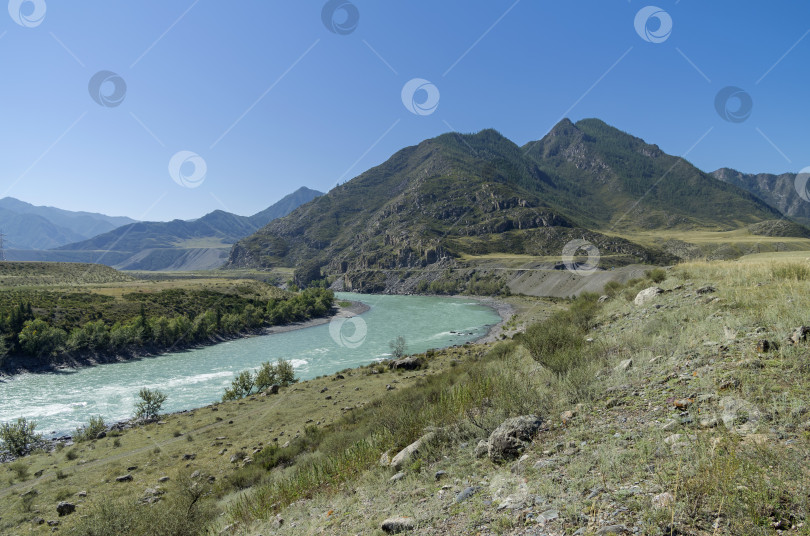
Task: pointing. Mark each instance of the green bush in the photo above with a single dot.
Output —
(245, 383)
(19, 438)
(90, 430)
(150, 404)
(20, 470)
(656, 275)
(40, 339)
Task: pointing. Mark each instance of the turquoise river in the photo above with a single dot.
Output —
(59, 402)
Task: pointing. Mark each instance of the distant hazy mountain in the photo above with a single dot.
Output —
(34, 227)
(779, 191)
(178, 244)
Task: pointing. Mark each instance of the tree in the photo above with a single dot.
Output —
(91, 430)
(266, 376)
(241, 386)
(19, 438)
(285, 372)
(398, 347)
(150, 404)
(40, 339)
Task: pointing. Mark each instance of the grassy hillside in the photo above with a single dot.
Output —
(664, 418)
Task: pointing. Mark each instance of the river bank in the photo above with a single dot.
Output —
(14, 365)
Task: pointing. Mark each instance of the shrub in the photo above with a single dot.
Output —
(656, 275)
(241, 386)
(282, 373)
(20, 469)
(150, 404)
(40, 339)
(398, 347)
(71, 454)
(90, 430)
(19, 438)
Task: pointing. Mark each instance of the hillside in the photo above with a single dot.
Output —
(175, 245)
(36, 227)
(779, 191)
(667, 417)
(480, 194)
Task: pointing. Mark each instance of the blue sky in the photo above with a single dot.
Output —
(270, 99)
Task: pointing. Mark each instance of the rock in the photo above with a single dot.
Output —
(406, 363)
(646, 295)
(612, 529)
(385, 459)
(53, 523)
(395, 525)
(739, 415)
(466, 493)
(706, 290)
(410, 451)
(663, 500)
(603, 298)
(389, 387)
(481, 449)
(519, 466)
(187, 457)
(82, 494)
(512, 436)
(440, 474)
(670, 425)
(708, 422)
(548, 516)
(799, 334)
(273, 389)
(730, 334)
(38, 521)
(566, 416)
(124, 478)
(765, 346)
(397, 477)
(101, 435)
(65, 508)
(324, 390)
(132, 468)
(625, 365)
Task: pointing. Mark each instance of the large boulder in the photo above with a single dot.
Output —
(410, 451)
(646, 295)
(512, 436)
(406, 363)
(65, 508)
(395, 525)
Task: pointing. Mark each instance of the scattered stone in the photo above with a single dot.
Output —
(397, 477)
(395, 525)
(670, 425)
(466, 493)
(566, 416)
(38, 521)
(132, 468)
(53, 523)
(235, 458)
(765, 346)
(389, 387)
(124, 478)
(625, 365)
(799, 334)
(187, 457)
(410, 451)
(385, 459)
(706, 290)
(548, 516)
(481, 449)
(101, 435)
(603, 298)
(646, 295)
(440, 474)
(324, 389)
(512, 436)
(739, 415)
(612, 529)
(663, 500)
(406, 363)
(708, 422)
(163, 479)
(273, 389)
(65, 508)
(82, 494)
(730, 334)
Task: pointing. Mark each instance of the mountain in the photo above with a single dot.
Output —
(779, 191)
(178, 244)
(36, 227)
(457, 196)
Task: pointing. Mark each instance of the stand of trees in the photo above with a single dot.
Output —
(22, 331)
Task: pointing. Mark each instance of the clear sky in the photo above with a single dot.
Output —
(274, 95)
